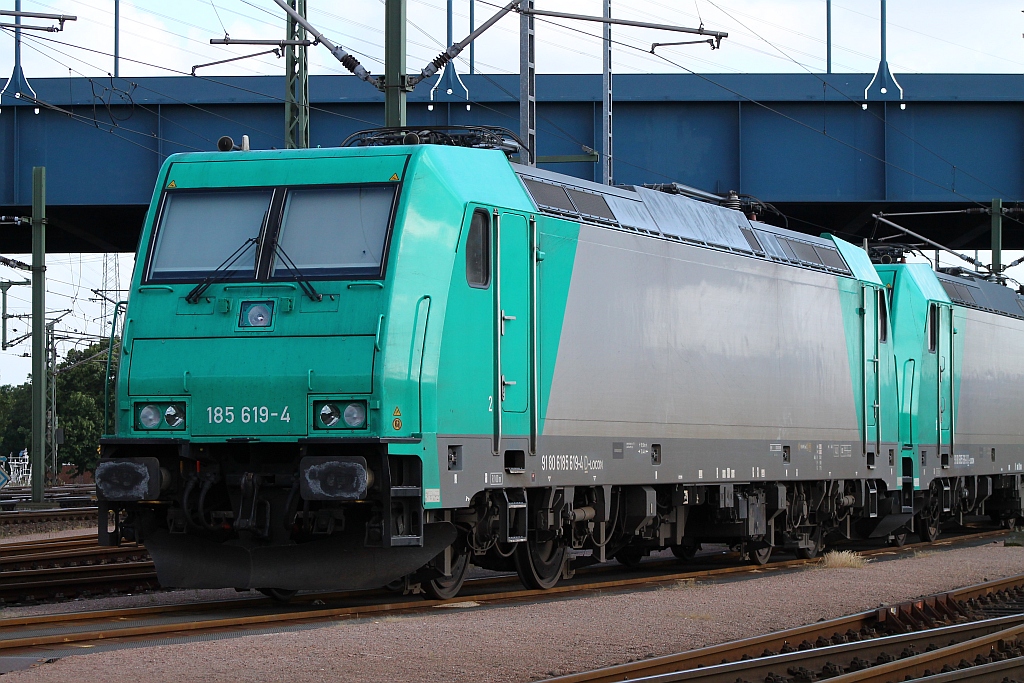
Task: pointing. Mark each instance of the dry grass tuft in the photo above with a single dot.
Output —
(842, 559)
(680, 585)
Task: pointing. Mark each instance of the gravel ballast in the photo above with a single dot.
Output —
(531, 641)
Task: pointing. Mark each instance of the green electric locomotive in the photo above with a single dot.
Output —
(346, 367)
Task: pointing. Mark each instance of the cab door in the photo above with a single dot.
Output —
(943, 329)
(513, 327)
(869, 377)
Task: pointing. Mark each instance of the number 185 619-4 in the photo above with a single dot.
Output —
(247, 414)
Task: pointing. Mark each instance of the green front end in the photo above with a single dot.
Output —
(276, 398)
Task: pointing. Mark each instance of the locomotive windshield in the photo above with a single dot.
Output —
(329, 231)
(336, 230)
(198, 231)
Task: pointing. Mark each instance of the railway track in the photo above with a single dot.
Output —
(52, 515)
(971, 634)
(77, 495)
(38, 634)
(56, 569)
(71, 567)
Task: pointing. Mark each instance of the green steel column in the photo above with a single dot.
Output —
(296, 87)
(38, 453)
(997, 236)
(394, 63)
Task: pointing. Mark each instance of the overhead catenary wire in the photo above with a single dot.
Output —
(888, 124)
(210, 79)
(787, 117)
(143, 107)
(219, 19)
(684, 68)
(882, 219)
(698, 10)
(160, 29)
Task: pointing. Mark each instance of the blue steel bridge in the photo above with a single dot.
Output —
(813, 151)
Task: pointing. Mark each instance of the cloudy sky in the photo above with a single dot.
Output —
(765, 35)
(937, 36)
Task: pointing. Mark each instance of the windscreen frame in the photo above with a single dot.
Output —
(268, 234)
(227, 275)
(267, 255)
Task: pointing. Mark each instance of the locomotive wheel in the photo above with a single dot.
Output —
(539, 563)
(760, 556)
(447, 587)
(630, 557)
(898, 538)
(927, 522)
(686, 553)
(278, 594)
(812, 552)
(928, 529)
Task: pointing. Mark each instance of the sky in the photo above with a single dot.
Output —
(160, 38)
(934, 36)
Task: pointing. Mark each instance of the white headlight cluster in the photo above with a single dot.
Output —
(338, 415)
(155, 416)
(149, 416)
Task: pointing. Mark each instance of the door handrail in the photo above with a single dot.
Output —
(498, 325)
(534, 370)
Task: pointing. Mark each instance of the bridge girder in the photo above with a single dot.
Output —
(811, 150)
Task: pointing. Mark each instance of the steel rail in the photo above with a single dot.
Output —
(55, 515)
(860, 653)
(81, 554)
(47, 544)
(754, 647)
(995, 672)
(111, 622)
(62, 581)
(928, 663)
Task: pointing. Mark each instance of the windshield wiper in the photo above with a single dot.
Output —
(303, 280)
(219, 272)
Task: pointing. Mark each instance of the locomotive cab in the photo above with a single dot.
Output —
(276, 368)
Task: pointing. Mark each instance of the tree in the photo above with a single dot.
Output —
(80, 387)
(15, 418)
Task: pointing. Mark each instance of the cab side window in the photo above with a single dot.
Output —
(883, 317)
(933, 328)
(478, 250)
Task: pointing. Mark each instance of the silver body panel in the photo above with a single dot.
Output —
(990, 398)
(720, 359)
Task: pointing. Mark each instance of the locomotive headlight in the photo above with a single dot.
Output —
(330, 414)
(339, 415)
(174, 416)
(149, 416)
(355, 415)
(256, 314)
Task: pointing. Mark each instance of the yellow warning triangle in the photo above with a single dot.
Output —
(394, 176)
(171, 185)
(397, 413)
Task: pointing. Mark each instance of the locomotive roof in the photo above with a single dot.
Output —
(679, 218)
(968, 289)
